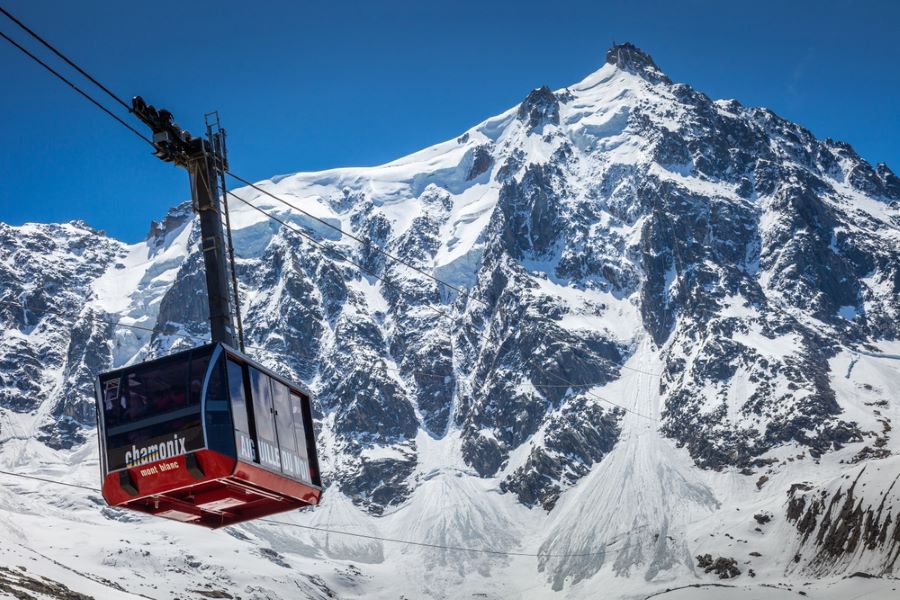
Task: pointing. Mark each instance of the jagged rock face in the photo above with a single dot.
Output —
(630, 58)
(580, 435)
(795, 246)
(531, 366)
(52, 341)
(531, 221)
(850, 521)
(571, 229)
(538, 108)
(725, 568)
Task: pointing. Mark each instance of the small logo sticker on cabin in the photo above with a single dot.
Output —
(154, 452)
(142, 449)
(160, 468)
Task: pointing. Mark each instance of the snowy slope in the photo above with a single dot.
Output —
(678, 316)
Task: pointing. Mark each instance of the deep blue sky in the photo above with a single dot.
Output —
(313, 85)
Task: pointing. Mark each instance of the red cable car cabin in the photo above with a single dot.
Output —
(206, 436)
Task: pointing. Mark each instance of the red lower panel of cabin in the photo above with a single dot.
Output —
(206, 488)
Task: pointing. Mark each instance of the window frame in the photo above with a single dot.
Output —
(299, 421)
(188, 357)
(293, 390)
(267, 406)
(234, 366)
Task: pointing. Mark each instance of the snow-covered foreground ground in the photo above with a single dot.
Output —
(630, 529)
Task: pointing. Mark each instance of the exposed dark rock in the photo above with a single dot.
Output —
(274, 557)
(579, 436)
(725, 568)
(539, 107)
(482, 161)
(837, 524)
(762, 518)
(531, 211)
(378, 484)
(890, 180)
(630, 58)
(17, 583)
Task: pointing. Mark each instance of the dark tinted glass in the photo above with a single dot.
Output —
(267, 441)
(300, 437)
(152, 412)
(291, 464)
(146, 390)
(246, 449)
(219, 430)
(199, 367)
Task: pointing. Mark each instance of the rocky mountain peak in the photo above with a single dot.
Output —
(539, 107)
(629, 57)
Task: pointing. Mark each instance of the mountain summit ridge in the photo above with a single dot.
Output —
(630, 58)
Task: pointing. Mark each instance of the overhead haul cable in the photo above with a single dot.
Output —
(87, 96)
(71, 63)
(363, 535)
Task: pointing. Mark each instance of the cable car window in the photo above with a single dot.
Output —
(199, 366)
(216, 392)
(290, 458)
(219, 428)
(266, 438)
(142, 392)
(150, 414)
(242, 436)
(300, 436)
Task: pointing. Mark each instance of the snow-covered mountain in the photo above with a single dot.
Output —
(669, 354)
